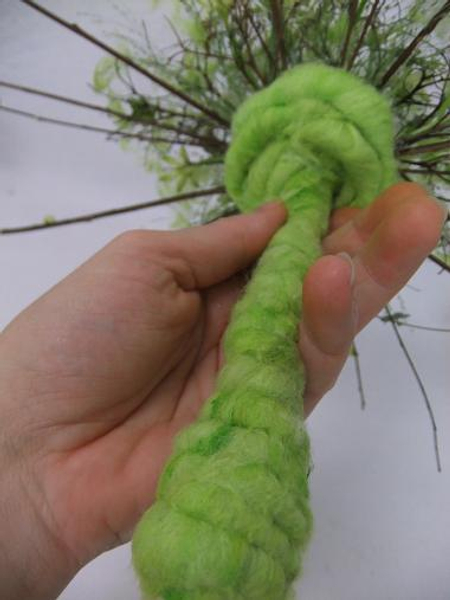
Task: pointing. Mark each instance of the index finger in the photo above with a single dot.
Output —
(352, 228)
(394, 252)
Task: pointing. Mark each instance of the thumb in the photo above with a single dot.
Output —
(216, 251)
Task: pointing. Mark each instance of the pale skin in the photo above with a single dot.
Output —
(99, 374)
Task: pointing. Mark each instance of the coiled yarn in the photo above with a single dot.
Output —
(232, 515)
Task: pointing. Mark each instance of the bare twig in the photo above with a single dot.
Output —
(425, 148)
(352, 20)
(421, 386)
(128, 61)
(93, 128)
(184, 49)
(439, 129)
(240, 63)
(113, 113)
(424, 328)
(409, 50)
(434, 113)
(362, 395)
(260, 37)
(368, 23)
(59, 98)
(279, 25)
(423, 83)
(241, 23)
(112, 212)
(444, 266)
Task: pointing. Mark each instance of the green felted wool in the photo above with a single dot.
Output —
(232, 514)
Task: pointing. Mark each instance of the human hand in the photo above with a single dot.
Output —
(385, 244)
(98, 375)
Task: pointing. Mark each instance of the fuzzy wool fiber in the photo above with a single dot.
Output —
(232, 516)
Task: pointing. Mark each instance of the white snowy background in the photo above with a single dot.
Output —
(382, 512)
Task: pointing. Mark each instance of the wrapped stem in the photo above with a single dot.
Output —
(232, 512)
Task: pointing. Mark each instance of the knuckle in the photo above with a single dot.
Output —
(140, 243)
(409, 189)
(131, 238)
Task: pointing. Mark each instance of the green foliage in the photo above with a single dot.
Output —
(104, 74)
(225, 50)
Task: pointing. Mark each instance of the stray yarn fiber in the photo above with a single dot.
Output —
(232, 516)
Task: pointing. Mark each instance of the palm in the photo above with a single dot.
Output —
(120, 356)
(127, 387)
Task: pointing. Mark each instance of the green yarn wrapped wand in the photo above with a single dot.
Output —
(232, 516)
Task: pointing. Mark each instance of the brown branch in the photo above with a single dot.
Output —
(128, 61)
(112, 212)
(409, 50)
(368, 23)
(430, 116)
(421, 386)
(438, 129)
(113, 113)
(203, 70)
(278, 21)
(59, 98)
(362, 395)
(422, 84)
(423, 327)
(293, 9)
(261, 39)
(94, 129)
(428, 170)
(426, 148)
(187, 50)
(251, 57)
(352, 20)
(444, 266)
(239, 60)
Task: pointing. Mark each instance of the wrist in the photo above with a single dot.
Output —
(34, 565)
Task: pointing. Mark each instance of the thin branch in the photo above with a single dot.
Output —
(59, 98)
(444, 266)
(352, 20)
(423, 327)
(279, 25)
(291, 12)
(264, 46)
(428, 170)
(421, 386)
(252, 62)
(112, 212)
(422, 84)
(128, 61)
(239, 60)
(92, 128)
(203, 71)
(426, 148)
(409, 50)
(113, 113)
(368, 23)
(430, 116)
(362, 395)
(439, 129)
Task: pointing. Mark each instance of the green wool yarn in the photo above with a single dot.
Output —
(232, 514)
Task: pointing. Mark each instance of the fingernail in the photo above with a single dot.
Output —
(269, 206)
(349, 260)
